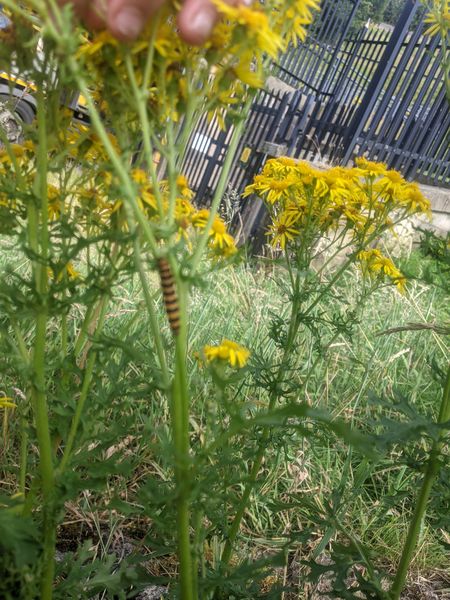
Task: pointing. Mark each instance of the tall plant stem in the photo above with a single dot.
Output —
(23, 456)
(88, 372)
(262, 445)
(84, 329)
(92, 318)
(156, 332)
(189, 121)
(141, 99)
(38, 389)
(23, 421)
(422, 500)
(294, 325)
(220, 189)
(120, 169)
(180, 434)
(236, 523)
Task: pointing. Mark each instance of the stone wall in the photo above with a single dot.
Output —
(440, 205)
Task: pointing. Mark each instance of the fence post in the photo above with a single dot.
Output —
(211, 166)
(387, 61)
(326, 80)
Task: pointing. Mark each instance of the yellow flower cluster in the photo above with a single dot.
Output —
(66, 271)
(20, 155)
(375, 264)
(364, 200)
(231, 59)
(221, 243)
(101, 208)
(16, 165)
(188, 219)
(94, 201)
(227, 352)
(359, 198)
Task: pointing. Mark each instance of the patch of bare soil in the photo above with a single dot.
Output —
(434, 587)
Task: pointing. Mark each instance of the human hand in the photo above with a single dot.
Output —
(125, 19)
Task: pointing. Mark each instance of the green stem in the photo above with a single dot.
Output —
(362, 552)
(156, 330)
(228, 163)
(262, 446)
(23, 422)
(189, 120)
(171, 172)
(78, 411)
(294, 325)
(84, 329)
(197, 548)
(335, 253)
(64, 336)
(21, 343)
(15, 8)
(38, 388)
(120, 168)
(88, 373)
(331, 283)
(180, 433)
(422, 500)
(148, 69)
(141, 97)
(236, 523)
(23, 456)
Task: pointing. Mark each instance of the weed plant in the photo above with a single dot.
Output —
(125, 404)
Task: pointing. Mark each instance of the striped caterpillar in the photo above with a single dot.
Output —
(169, 295)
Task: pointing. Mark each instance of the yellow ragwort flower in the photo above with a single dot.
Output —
(273, 189)
(200, 218)
(227, 351)
(438, 18)
(391, 184)
(370, 168)
(219, 234)
(374, 262)
(256, 24)
(6, 403)
(415, 201)
(282, 229)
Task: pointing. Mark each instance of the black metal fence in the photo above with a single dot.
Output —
(404, 117)
(312, 64)
(209, 145)
(375, 93)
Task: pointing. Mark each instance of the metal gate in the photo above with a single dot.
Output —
(376, 93)
(404, 116)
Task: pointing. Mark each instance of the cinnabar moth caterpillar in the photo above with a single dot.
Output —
(170, 297)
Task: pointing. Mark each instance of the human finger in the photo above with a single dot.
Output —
(96, 14)
(91, 12)
(196, 20)
(127, 18)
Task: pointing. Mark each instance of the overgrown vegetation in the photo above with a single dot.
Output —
(231, 469)
(300, 476)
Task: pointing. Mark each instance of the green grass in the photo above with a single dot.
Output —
(372, 362)
(303, 472)
(238, 306)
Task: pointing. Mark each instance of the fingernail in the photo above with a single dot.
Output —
(128, 23)
(247, 2)
(203, 23)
